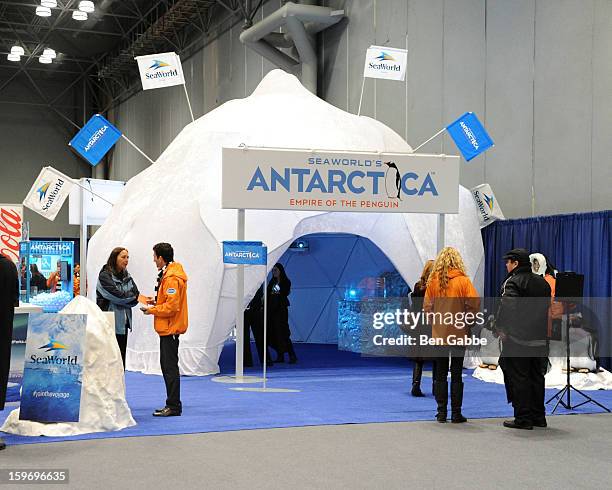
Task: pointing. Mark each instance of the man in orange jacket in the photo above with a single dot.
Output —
(170, 321)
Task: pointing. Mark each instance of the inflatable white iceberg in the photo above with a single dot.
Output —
(178, 200)
(103, 405)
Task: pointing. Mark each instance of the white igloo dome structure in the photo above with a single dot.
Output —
(178, 200)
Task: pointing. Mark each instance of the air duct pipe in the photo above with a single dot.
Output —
(302, 23)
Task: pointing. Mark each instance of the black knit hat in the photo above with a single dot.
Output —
(519, 254)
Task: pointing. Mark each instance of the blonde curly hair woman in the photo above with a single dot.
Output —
(450, 292)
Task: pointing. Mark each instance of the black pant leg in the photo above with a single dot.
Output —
(122, 343)
(519, 371)
(6, 344)
(538, 392)
(247, 355)
(442, 365)
(456, 364)
(168, 350)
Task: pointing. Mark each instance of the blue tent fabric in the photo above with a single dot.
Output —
(578, 242)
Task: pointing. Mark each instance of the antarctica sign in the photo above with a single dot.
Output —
(266, 178)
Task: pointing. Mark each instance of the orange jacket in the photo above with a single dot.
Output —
(170, 310)
(459, 298)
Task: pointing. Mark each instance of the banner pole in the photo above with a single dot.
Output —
(265, 325)
(434, 136)
(239, 303)
(361, 96)
(136, 148)
(83, 257)
(188, 102)
(441, 233)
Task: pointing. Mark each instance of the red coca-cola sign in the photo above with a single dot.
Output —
(11, 219)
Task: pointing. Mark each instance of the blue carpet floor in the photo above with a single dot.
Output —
(335, 388)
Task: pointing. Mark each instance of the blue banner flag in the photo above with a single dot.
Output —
(94, 140)
(469, 135)
(248, 253)
(53, 368)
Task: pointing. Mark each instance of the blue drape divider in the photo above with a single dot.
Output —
(573, 242)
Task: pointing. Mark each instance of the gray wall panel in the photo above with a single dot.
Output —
(509, 102)
(563, 106)
(464, 73)
(601, 177)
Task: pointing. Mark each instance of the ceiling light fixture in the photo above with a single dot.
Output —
(43, 11)
(86, 6)
(49, 3)
(78, 15)
(13, 57)
(18, 50)
(49, 53)
(45, 60)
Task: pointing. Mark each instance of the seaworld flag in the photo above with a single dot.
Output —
(384, 62)
(487, 204)
(47, 195)
(160, 70)
(469, 135)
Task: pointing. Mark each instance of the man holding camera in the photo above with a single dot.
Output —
(521, 323)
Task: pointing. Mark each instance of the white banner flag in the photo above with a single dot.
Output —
(160, 70)
(488, 207)
(383, 62)
(47, 195)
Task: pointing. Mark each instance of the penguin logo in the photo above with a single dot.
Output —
(393, 182)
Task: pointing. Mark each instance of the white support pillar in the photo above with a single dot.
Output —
(239, 302)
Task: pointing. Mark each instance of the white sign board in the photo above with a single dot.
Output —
(96, 209)
(266, 178)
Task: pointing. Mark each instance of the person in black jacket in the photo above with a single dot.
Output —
(37, 280)
(418, 293)
(9, 298)
(253, 320)
(279, 289)
(116, 291)
(521, 322)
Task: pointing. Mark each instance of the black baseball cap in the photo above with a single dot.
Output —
(521, 255)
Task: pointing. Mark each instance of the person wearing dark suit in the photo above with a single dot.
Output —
(417, 296)
(254, 321)
(9, 298)
(279, 289)
(37, 280)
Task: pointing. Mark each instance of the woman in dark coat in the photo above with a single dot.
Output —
(9, 298)
(418, 293)
(37, 279)
(117, 292)
(279, 289)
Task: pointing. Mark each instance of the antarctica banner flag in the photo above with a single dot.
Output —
(160, 70)
(53, 368)
(304, 180)
(47, 195)
(384, 62)
(95, 139)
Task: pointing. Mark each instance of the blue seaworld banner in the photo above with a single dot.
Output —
(248, 253)
(94, 140)
(469, 135)
(53, 369)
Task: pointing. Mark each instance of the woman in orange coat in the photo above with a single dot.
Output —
(450, 296)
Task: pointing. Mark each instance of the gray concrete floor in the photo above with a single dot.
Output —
(574, 452)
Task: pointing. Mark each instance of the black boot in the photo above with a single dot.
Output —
(417, 372)
(441, 395)
(291, 352)
(433, 378)
(456, 402)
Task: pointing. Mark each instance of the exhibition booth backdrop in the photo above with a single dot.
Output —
(178, 199)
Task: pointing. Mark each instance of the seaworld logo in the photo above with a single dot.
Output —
(54, 193)
(42, 190)
(53, 345)
(384, 62)
(481, 205)
(157, 64)
(161, 74)
(336, 180)
(489, 201)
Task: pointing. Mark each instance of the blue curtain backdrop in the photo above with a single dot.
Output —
(573, 242)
